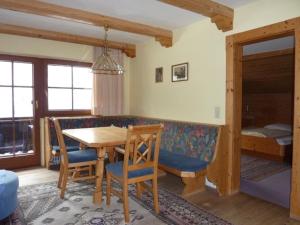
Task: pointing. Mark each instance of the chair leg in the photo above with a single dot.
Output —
(108, 188)
(61, 172)
(125, 203)
(90, 170)
(138, 190)
(64, 183)
(155, 195)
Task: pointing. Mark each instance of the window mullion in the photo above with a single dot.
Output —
(72, 89)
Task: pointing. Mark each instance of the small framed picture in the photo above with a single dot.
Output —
(158, 75)
(180, 72)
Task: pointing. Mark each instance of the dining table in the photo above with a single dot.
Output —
(103, 139)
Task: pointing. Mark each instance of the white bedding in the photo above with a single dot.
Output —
(283, 137)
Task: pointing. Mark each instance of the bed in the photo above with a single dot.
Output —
(273, 141)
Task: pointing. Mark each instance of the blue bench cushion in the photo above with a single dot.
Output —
(181, 162)
(117, 170)
(9, 184)
(82, 155)
(56, 148)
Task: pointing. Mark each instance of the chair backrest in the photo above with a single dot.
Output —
(142, 147)
(61, 142)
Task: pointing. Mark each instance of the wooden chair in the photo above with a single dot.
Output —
(53, 151)
(73, 163)
(139, 165)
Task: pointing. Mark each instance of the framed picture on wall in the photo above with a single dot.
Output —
(180, 72)
(158, 75)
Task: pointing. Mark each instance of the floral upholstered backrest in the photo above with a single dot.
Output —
(190, 139)
(85, 122)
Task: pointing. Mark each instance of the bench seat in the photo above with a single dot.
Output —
(181, 162)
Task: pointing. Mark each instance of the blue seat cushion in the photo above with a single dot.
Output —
(181, 162)
(9, 184)
(56, 148)
(117, 170)
(82, 155)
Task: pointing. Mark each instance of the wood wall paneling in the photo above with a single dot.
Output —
(268, 81)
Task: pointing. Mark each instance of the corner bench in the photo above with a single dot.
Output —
(187, 149)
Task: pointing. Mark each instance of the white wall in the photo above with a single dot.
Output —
(203, 47)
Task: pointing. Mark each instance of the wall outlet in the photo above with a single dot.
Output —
(217, 112)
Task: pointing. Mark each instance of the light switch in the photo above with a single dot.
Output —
(217, 112)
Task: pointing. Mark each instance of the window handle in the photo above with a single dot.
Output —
(36, 104)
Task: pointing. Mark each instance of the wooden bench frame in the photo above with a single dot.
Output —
(194, 182)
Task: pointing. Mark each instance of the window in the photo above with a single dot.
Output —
(16, 89)
(69, 87)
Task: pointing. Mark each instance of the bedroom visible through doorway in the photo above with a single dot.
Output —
(267, 119)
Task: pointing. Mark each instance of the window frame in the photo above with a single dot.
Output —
(72, 112)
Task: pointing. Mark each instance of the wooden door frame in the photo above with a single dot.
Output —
(233, 117)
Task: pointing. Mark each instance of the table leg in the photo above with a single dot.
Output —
(99, 174)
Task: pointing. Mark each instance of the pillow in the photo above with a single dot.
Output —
(279, 126)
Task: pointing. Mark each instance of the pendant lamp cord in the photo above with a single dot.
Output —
(105, 40)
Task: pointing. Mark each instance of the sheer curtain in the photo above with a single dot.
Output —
(107, 97)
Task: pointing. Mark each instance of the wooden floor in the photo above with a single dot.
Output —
(239, 209)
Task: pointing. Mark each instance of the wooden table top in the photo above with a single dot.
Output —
(98, 136)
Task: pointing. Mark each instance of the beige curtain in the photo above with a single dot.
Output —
(108, 89)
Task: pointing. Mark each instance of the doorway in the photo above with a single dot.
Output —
(267, 118)
(234, 52)
(19, 114)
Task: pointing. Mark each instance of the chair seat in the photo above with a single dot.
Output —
(117, 170)
(56, 148)
(181, 162)
(82, 155)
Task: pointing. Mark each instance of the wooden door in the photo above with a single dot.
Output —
(19, 114)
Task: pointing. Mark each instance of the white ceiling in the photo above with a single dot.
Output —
(151, 12)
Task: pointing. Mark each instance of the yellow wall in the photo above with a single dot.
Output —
(203, 47)
(25, 46)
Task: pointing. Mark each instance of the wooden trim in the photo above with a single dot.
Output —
(76, 15)
(276, 30)
(220, 14)
(262, 55)
(128, 49)
(233, 104)
(295, 190)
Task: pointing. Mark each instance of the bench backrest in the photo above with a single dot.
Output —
(190, 139)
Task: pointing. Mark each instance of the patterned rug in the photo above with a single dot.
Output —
(40, 204)
(256, 169)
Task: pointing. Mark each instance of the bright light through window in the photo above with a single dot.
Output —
(6, 73)
(22, 74)
(82, 77)
(82, 99)
(6, 112)
(16, 89)
(59, 99)
(59, 76)
(23, 102)
(69, 87)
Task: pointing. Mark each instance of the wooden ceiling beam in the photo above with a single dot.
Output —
(128, 49)
(76, 15)
(220, 14)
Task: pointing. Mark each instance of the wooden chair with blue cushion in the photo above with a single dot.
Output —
(74, 162)
(53, 151)
(139, 164)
